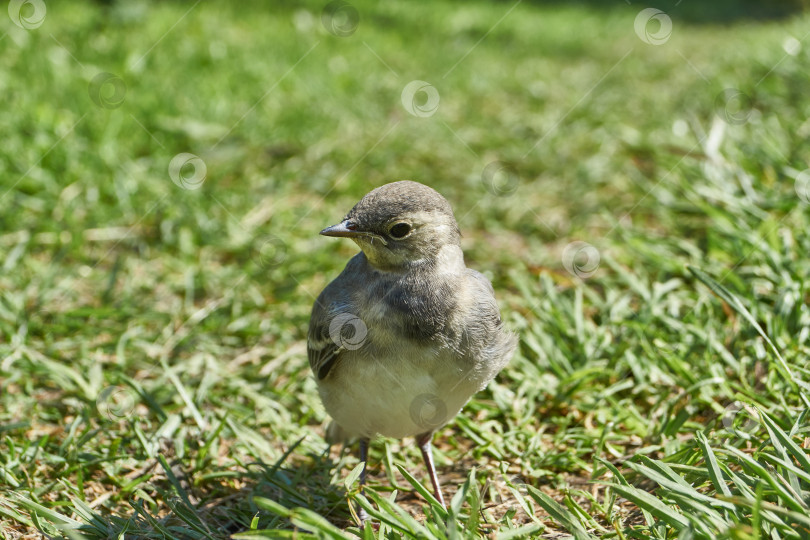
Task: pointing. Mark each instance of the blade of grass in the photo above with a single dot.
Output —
(737, 305)
(715, 474)
(778, 436)
(559, 513)
(424, 492)
(526, 531)
(651, 504)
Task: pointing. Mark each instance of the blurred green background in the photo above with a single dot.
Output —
(153, 308)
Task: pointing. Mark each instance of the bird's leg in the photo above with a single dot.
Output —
(427, 454)
(364, 458)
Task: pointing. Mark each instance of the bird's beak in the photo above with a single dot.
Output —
(345, 229)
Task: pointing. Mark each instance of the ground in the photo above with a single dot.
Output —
(633, 179)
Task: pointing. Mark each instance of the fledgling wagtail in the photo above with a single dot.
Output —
(406, 334)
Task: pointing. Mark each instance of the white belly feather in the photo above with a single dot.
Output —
(397, 396)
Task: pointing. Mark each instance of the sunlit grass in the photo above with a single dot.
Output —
(153, 373)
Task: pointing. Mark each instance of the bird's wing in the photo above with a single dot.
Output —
(324, 344)
(486, 333)
(331, 312)
(322, 350)
(484, 296)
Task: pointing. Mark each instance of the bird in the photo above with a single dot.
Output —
(400, 341)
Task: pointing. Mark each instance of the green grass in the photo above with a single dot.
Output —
(153, 374)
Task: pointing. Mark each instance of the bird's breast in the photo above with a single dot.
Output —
(418, 311)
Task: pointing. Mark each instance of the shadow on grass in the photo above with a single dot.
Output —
(718, 12)
(220, 504)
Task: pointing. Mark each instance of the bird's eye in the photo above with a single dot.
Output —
(399, 230)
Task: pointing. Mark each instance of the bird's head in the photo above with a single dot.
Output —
(399, 225)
